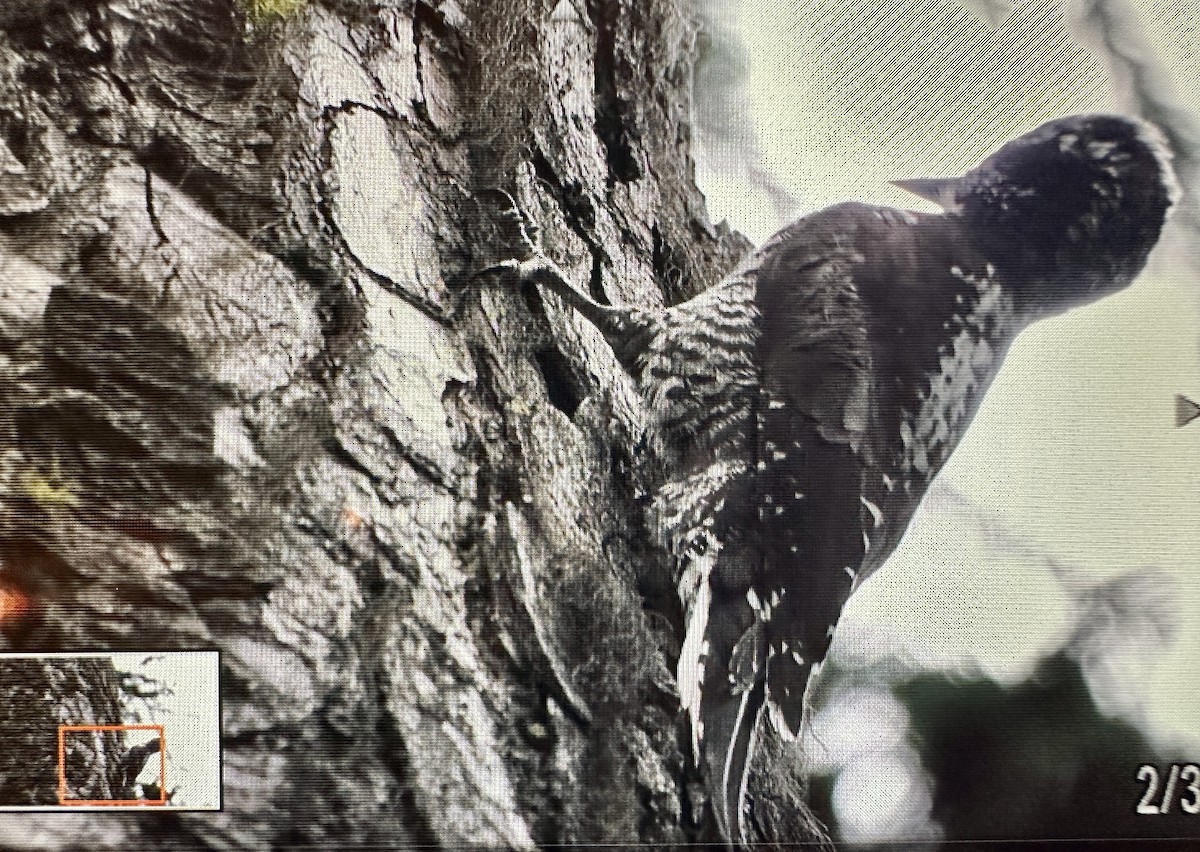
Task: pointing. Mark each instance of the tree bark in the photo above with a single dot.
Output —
(36, 698)
(255, 400)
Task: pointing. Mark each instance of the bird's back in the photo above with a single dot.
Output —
(858, 328)
(804, 405)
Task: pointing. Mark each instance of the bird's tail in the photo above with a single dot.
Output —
(739, 672)
(731, 728)
(723, 686)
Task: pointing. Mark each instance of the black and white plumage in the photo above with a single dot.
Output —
(803, 405)
(133, 762)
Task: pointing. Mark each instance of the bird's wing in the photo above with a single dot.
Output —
(700, 380)
(762, 389)
(699, 376)
(813, 348)
(817, 383)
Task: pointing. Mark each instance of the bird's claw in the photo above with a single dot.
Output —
(537, 267)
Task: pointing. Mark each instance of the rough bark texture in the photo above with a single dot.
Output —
(38, 696)
(254, 401)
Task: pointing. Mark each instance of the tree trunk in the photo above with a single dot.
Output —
(255, 400)
(36, 698)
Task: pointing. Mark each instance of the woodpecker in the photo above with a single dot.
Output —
(802, 406)
(133, 762)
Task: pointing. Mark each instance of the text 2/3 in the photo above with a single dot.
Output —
(1181, 782)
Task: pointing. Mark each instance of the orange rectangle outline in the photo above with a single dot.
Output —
(63, 730)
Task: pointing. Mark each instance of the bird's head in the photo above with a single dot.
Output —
(1070, 210)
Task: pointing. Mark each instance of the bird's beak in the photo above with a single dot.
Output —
(940, 191)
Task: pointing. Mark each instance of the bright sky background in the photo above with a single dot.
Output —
(189, 712)
(1073, 472)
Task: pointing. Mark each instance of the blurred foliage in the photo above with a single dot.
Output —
(1034, 761)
